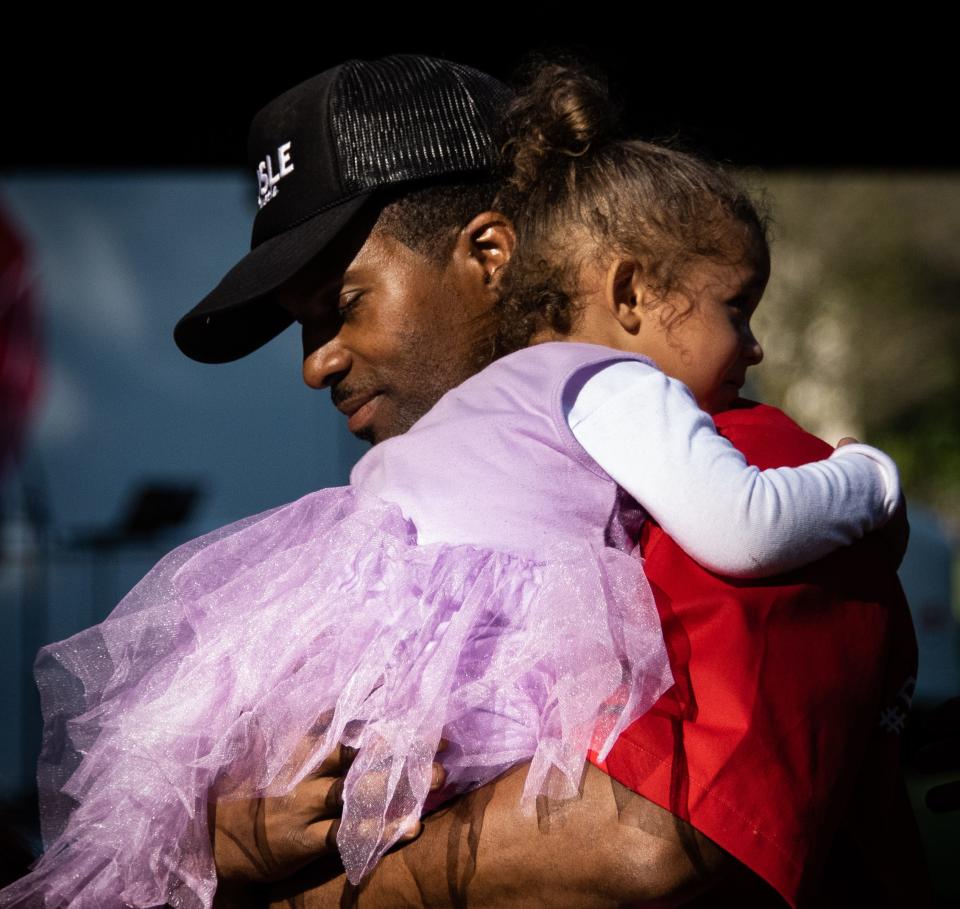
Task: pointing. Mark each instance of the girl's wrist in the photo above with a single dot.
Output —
(887, 468)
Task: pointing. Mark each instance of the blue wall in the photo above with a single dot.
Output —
(117, 260)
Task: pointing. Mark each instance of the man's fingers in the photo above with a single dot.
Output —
(321, 837)
(847, 440)
(320, 798)
(324, 834)
(412, 831)
(333, 800)
(337, 763)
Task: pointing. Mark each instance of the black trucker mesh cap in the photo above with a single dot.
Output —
(319, 152)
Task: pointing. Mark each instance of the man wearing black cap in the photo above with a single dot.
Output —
(374, 231)
(404, 143)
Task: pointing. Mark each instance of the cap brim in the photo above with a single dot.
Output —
(238, 316)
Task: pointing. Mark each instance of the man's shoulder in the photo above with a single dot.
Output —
(768, 437)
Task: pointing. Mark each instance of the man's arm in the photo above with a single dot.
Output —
(608, 848)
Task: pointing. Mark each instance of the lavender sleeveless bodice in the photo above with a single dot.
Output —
(494, 462)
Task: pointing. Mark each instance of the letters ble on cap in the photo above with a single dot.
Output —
(267, 180)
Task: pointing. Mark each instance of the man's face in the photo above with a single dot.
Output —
(387, 330)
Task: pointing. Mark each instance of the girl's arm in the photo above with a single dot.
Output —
(646, 431)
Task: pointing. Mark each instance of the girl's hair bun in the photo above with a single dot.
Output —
(563, 111)
(576, 189)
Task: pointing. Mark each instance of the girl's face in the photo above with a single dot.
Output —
(711, 349)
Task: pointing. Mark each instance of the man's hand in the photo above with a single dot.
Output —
(263, 840)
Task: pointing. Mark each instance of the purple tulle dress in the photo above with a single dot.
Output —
(524, 631)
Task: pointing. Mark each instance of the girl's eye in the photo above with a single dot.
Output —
(739, 310)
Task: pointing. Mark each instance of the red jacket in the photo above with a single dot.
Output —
(780, 738)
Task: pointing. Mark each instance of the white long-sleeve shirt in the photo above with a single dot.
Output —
(647, 432)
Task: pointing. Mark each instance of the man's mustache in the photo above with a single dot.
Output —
(341, 392)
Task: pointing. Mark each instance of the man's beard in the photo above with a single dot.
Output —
(422, 382)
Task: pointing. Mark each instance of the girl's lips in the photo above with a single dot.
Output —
(363, 415)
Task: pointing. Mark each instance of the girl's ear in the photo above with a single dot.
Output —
(625, 291)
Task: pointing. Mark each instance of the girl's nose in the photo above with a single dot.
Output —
(752, 348)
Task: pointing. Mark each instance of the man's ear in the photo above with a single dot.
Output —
(484, 246)
(625, 292)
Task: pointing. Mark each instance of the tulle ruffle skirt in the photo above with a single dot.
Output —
(242, 659)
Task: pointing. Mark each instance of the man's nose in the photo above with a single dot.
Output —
(326, 364)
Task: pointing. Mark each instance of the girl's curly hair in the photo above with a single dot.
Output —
(574, 191)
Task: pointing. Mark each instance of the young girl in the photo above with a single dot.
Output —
(475, 580)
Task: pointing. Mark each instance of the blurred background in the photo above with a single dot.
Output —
(124, 198)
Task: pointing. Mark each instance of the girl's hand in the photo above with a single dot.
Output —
(895, 534)
(266, 840)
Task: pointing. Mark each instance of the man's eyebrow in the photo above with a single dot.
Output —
(352, 272)
(316, 288)
(322, 290)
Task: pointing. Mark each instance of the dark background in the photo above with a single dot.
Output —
(802, 93)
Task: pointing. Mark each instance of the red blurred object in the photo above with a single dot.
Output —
(21, 349)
